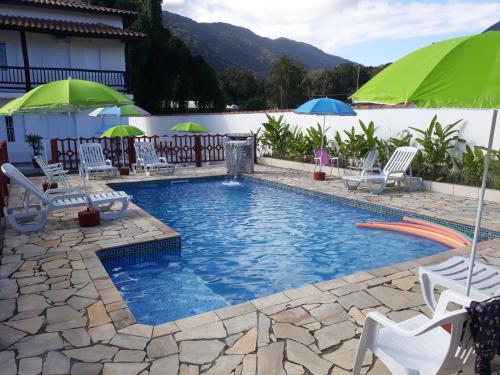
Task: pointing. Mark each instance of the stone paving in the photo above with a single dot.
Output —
(60, 312)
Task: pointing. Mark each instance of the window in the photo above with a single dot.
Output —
(3, 54)
(9, 126)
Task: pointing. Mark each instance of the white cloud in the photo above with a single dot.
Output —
(331, 24)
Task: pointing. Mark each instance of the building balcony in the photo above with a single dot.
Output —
(19, 79)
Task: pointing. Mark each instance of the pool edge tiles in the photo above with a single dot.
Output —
(167, 246)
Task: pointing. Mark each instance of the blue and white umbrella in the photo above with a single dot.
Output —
(123, 111)
(325, 107)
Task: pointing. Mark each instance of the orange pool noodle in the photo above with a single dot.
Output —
(420, 232)
(441, 231)
(452, 232)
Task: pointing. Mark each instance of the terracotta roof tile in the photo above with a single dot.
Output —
(98, 30)
(73, 5)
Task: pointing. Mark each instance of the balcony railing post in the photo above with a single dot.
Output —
(26, 61)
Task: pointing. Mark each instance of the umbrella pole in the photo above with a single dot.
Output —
(480, 203)
(123, 153)
(321, 151)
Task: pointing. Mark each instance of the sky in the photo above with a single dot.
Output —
(370, 32)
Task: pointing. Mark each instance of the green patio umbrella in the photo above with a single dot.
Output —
(456, 73)
(122, 131)
(66, 96)
(190, 127)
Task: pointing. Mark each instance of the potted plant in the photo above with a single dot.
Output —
(35, 141)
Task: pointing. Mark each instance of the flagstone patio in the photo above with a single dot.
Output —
(60, 312)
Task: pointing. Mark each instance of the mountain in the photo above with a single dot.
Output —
(225, 45)
(493, 27)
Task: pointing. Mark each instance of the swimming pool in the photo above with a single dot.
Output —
(248, 241)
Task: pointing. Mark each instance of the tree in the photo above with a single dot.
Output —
(243, 88)
(285, 82)
(316, 83)
(164, 73)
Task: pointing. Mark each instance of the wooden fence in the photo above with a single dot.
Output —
(4, 190)
(178, 149)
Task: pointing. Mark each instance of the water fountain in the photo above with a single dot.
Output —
(239, 155)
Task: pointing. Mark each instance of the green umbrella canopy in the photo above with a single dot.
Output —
(70, 95)
(190, 127)
(456, 73)
(122, 131)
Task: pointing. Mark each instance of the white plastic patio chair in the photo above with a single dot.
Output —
(394, 171)
(55, 173)
(149, 161)
(452, 274)
(92, 160)
(33, 217)
(366, 166)
(420, 345)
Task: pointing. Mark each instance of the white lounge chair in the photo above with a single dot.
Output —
(32, 217)
(394, 171)
(420, 345)
(149, 161)
(366, 166)
(55, 173)
(452, 274)
(92, 160)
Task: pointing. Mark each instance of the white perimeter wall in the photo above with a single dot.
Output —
(389, 122)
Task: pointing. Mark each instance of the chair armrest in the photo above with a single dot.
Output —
(450, 296)
(437, 321)
(139, 161)
(58, 165)
(108, 162)
(163, 159)
(381, 320)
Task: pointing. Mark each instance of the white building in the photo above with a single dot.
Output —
(47, 40)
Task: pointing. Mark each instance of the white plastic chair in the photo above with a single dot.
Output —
(420, 345)
(366, 165)
(394, 171)
(33, 217)
(92, 160)
(55, 173)
(149, 161)
(452, 274)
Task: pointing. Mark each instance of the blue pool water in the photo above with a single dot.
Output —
(248, 241)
